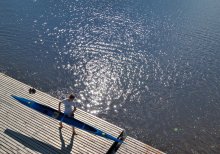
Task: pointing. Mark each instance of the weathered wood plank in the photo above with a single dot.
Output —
(14, 89)
(13, 144)
(28, 122)
(82, 114)
(44, 130)
(51, 127)
(2, 151)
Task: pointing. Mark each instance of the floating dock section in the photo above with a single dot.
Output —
(23, 130)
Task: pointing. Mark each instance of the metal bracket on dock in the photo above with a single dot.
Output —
(115, 146)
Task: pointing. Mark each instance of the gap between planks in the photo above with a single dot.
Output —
(84, 116)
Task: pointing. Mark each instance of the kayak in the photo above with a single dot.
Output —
(50, 112)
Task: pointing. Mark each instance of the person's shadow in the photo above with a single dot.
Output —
(40, 146)
(67, 148)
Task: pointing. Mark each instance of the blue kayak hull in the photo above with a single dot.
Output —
(48, 111)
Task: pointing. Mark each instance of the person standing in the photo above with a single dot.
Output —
(68, 111)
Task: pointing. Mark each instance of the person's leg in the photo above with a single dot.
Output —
(74, 132)
(61, 125)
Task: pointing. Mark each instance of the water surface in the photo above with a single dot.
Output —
(151, 67)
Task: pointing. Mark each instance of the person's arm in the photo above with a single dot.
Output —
(74, 109)
(59, 106)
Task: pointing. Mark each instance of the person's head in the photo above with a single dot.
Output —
(71, 97)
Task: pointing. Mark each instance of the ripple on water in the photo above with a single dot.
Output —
(149, 64)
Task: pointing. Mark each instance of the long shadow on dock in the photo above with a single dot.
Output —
(40, 146)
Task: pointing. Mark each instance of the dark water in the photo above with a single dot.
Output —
(149, 66)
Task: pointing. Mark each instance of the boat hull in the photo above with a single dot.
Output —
(50, 112)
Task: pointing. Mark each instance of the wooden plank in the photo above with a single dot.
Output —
(6, 140)
(80, 119)
(37, 113)
(8, 149)
(2, 151)
(48, 126)
(97, 121)
(28, 139)
(25, 119)
(51, 100)
(85, 142)
(130, 150)
(18, 117)
(142, 146)
(13, 144)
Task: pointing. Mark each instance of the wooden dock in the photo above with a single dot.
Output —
(23, 130)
